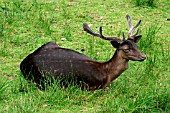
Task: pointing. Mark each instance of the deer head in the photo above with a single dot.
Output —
(127, 48)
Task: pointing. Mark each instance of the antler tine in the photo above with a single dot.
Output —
(129, 21)
(124, 37)
(88, 30)
(104, 37)
(135, 33)
(132, 28)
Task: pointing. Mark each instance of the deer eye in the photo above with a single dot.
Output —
(126, 50)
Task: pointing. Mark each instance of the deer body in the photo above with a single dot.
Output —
(50, 60)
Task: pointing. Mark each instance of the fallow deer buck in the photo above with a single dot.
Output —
(63, 64)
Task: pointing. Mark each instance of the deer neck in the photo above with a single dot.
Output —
(115, 66)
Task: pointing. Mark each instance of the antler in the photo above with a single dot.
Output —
(132, 28)
(88, 30)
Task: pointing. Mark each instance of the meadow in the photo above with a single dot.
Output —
(25, 25)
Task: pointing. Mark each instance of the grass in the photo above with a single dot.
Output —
(150, 3)
(26, 25)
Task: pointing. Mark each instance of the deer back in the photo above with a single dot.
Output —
(50, 60)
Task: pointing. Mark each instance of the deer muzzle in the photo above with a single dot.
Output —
(142, 57)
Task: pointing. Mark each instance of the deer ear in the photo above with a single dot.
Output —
(115, 44)
(137, 38)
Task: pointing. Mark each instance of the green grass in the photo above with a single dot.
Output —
(150, 3)
(26, 25)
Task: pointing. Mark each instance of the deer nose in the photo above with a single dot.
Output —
(143, 56)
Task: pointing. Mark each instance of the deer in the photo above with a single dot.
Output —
(65, 65)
